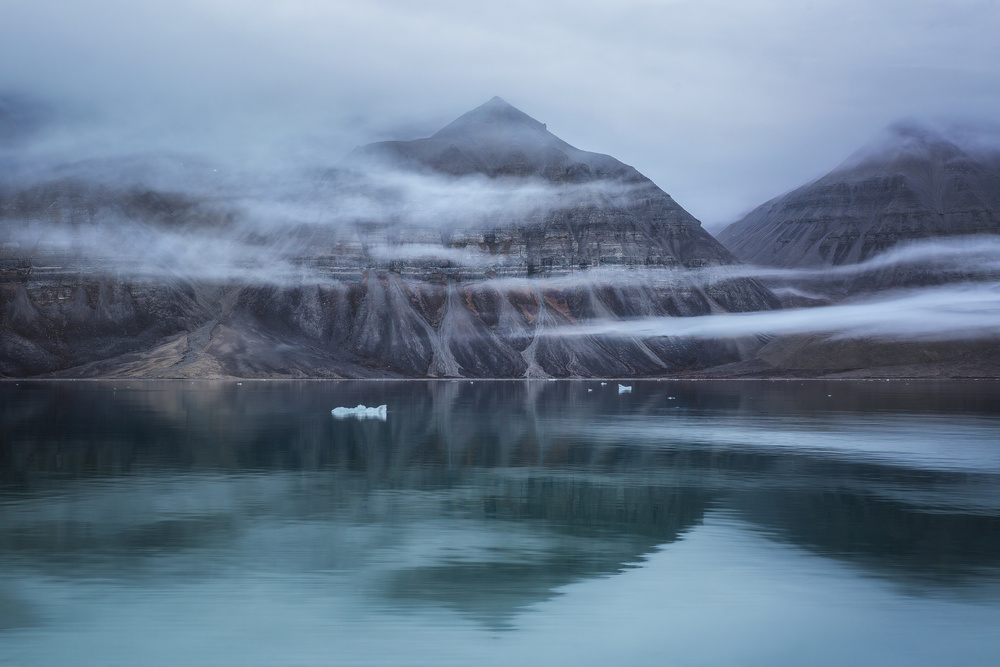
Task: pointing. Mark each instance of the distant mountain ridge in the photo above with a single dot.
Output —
(910, 183)
(911, 209)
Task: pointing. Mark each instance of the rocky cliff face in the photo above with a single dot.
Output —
(461, 254)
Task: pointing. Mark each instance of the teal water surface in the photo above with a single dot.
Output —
(522, 522)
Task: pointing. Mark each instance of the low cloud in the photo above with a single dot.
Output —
(970, 255)
(942, 313)
(220, 223)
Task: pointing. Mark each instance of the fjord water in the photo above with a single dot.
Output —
(522, 522)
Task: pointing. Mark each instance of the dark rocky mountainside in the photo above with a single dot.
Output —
(102, 277)
(912, 209)
(910, 184)
(911, 187)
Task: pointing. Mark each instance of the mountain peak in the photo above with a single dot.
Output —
(497, 114)
(902, 145)
(498, 139)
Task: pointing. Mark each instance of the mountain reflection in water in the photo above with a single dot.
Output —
(485, 498)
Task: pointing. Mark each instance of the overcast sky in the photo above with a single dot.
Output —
(724, 103)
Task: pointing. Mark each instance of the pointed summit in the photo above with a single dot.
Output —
(902, 147)
(496, 113)
(498, 140)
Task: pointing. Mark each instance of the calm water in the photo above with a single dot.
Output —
(685, 523)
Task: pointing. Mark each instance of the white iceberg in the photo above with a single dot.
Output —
(622, 389)
(360, 412)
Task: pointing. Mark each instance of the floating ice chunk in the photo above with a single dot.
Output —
(622, 389)
(360, 412)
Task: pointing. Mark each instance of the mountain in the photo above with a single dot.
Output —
(910, 184)
(496, 139)
(602, 212)
(464, 254)
(913, 208)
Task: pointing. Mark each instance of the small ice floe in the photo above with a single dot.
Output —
(622, 389)
(360, 412)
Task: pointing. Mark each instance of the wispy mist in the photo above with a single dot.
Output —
(435, 201)
(181, 216)
(941, 313)
(970, 255)
(914, 137)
